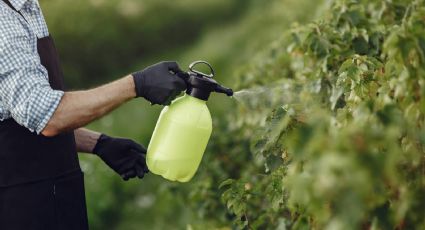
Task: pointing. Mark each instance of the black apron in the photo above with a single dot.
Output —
(41, 183)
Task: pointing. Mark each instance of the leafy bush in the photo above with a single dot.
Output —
(343, 145)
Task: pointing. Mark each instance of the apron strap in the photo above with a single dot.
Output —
(13, 8)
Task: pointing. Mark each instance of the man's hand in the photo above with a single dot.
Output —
(124, 156)
(159, 83)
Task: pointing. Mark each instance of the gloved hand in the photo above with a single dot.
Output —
(159, 83)
(124, 156)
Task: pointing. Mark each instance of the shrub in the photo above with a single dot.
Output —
(343, 145)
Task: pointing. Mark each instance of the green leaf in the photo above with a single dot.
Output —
(360, 45)
(337, 92)
(345, 65)
(226, 183)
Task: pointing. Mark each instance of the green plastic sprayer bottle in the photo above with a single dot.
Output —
(184, 128)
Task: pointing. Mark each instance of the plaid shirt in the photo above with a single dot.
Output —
(25, 93)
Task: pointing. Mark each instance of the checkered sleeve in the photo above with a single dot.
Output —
(24, 88)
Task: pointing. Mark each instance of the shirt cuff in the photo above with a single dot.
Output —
(56, 97)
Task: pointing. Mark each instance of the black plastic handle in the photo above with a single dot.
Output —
(192, 68)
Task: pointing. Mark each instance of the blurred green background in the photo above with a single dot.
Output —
(102, 40)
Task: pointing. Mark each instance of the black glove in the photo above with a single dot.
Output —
(159, 83)
(124, 156)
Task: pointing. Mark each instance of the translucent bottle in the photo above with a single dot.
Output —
(184, 129)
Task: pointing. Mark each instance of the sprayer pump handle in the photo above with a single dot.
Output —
(192, 69)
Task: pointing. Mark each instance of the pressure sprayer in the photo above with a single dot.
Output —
(183, 129)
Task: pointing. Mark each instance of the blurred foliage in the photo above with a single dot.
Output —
(99, 39)
(346, 149)
(326, 131)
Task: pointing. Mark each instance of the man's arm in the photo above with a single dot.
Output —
(86, 140)
(79, 108)
(159, 84)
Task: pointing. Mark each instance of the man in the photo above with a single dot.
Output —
(41, 184)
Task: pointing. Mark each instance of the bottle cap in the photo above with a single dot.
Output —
(201, 85)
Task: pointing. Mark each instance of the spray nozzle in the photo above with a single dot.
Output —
(200, 85)
(222, 89)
